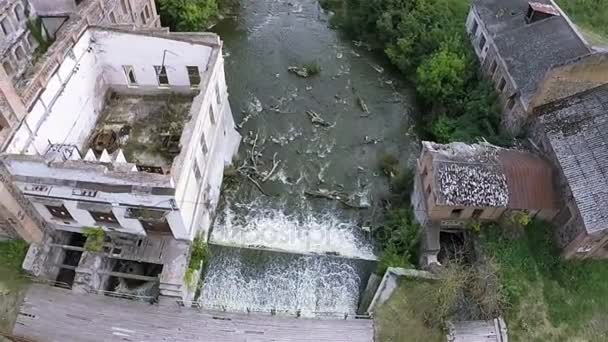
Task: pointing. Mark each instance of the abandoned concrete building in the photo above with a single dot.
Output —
(28, 29)
(458, 183)
(129, 143)
(517, 42)
(573, 119)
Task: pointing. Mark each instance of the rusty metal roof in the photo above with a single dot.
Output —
(529, 180)
(544, 8)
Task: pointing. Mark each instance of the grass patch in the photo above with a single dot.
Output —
(549, 299)
(591, 15)
(400, 318)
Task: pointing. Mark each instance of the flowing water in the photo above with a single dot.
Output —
(321, 236)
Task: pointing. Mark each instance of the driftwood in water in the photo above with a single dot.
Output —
(339, 196)
(316, 119)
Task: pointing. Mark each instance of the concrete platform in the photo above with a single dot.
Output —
(51, 314)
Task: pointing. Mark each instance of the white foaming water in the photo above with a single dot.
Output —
(271, 228)
(239, 280)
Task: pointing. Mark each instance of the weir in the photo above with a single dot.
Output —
(281, 250)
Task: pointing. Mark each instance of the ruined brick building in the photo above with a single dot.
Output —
(119, 127)
(553, 85)
(517, 42)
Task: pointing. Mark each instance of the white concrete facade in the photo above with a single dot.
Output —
(66, 112)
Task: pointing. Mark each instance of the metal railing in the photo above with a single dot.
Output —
(274, 312)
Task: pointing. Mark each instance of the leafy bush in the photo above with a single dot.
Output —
(313, 68)
(399, 239)
(95, 239)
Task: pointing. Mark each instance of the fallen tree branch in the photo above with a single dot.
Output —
(316, 119)
(257, 185)
(275, 164)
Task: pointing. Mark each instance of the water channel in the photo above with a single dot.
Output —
(309, 254)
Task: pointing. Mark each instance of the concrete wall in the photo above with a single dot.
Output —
(55, 7)
(198, 198)
(116, 50)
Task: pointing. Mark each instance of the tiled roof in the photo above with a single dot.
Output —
(577, 129)
(529, 50)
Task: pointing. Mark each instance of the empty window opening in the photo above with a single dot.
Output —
(475, 27)
(456, 213)
(482, 42)
(112, 18)
(502, 84)
(130, 74)
(8, 67)
(158, 227)
(204, 144)
(100, 217)
(147, 10)
(428, 189)
(493, 67)
(150, 169)
(424, 171)
(18, 12)
(161, 75)
(19, 53)
(59, 212)
(197, 171)
(126, 278)
(6, 26)
(194, 76)
(123, 4)
(211, 115)
(510, 104)
(142, 17)
(218, 94)
(477, 213)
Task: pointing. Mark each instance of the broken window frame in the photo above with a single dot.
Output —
(194, 76)
(130, 75)
(456, 213)
(218, 94)
(204, 146)
(19, 53)
(475, 27)
(59, 212)
(161, 76)
(502, 84)
(104, 218)
(510, 103)
(482, 42)
(477, 213)
(211, 115)
(197, 172)
(6, 26)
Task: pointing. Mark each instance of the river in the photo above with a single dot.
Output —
(324, 244)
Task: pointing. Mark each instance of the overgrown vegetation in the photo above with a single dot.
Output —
(549, 299)
(37, 29)
(12, 282)
(95, 239)
(199, 256)
(426, 40)
(591, 15)
(192, 15)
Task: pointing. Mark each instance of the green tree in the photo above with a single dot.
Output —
(188, 15)
(441, 77)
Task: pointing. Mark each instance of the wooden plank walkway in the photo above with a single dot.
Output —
(51, 314)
